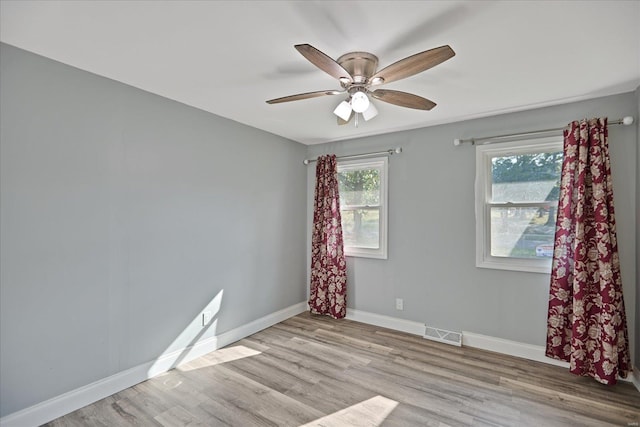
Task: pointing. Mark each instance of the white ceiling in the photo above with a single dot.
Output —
(229, 57)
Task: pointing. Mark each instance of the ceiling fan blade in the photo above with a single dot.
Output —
(413, 64)
(344, 122)
(304, 96)
(324, 62)
(403, 99)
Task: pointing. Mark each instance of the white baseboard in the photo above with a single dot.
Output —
(58, 406)
(511, 348)
(408, 326)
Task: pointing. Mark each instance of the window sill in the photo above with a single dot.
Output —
(514, 264)
(363, 253)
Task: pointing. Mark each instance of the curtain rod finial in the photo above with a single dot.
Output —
(398, 150)
(627, 120)
(456, 142)
(305, 161)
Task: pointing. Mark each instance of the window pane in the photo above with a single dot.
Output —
(360, 187)
(363, 205)
(361, 228)
(526, 177)
(522, 232)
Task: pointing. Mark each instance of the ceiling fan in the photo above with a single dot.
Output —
(358, 77)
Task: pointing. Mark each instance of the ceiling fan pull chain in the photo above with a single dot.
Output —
(356, 119)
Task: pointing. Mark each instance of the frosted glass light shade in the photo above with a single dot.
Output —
(359, 102)
(370, 112)
(343, 110)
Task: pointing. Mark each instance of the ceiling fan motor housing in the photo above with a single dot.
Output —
(361, 65)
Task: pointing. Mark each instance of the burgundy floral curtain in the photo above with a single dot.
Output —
(586, 323)
(328, 265)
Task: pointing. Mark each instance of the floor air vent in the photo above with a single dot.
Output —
(442, 335)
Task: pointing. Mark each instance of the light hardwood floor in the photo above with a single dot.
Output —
(317, 371)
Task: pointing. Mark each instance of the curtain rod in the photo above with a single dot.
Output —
(389, 152)
(627, 120)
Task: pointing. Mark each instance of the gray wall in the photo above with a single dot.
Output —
(431, 261)
(123, 215)
(637, 221)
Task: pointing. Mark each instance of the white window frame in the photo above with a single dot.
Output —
(484, 154)
(383, 164)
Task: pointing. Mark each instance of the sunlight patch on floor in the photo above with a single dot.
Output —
(370, 413)
(217, 357)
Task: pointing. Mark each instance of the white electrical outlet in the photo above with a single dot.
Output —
(206, 318)
(399, 304)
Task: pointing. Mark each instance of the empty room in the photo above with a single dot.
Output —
(319, 213)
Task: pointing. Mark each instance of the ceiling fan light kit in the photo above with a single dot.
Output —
(370, 112)
(343, 110)
(357, 74)
(359, 102)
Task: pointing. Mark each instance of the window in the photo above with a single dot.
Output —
(363, 206)
(517, 186)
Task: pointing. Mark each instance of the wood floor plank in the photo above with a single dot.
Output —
(332, 394)
(619, 413)
(406, 390)
(368, 413)
(353, 342)
(273, 375)
(135, 413)
(176, 416)
(314, 370)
